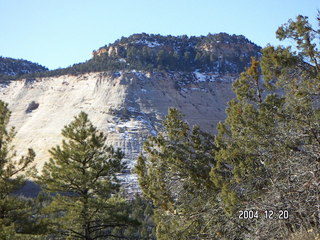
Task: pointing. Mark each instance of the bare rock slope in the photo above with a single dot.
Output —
(127, 106)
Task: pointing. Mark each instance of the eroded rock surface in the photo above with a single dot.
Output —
(128, 106)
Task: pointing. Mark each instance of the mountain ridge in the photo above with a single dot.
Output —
(10, 67)
(128, 104)
(216, 53)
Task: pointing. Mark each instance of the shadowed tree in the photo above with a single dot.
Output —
(13, 210)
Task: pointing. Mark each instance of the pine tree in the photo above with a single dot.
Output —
(140, 210)
(82, 174)
(297, 74)
(242, 139)
(268, 155)
(13, 210)
(174, 173)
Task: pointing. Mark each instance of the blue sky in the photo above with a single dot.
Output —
(59, 33)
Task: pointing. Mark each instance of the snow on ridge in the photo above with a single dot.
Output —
(205, 77)
(132, 109)
(200, 77)
(211, 77)
(140, 74)
(149, 44)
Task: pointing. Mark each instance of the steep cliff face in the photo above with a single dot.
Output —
(127, 88)
(128, 106)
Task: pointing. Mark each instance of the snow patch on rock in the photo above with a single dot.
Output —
(148, 43)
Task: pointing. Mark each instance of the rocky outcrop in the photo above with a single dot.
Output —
(128, 106)
(32, 106)
(126, 89)
(99, 52)
(220, 53)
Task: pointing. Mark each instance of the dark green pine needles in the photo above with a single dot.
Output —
(13, 210)
(82, 175)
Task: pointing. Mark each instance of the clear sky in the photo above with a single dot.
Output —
(59, 33)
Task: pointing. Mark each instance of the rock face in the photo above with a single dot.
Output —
(193, 74)
(128, 106)
(32, 106)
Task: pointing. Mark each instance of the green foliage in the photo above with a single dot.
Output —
(269, 144)
(251, 118)
(175, 174)
(221, 53)
(17, 67)
(82, 174)
(141, 211)
(264, 157)
(13, 210)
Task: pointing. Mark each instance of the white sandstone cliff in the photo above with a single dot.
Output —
(127, 106)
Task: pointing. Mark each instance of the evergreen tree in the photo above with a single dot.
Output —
(13, 210)
(297, 73)
(174, 174)
(268, 155)
(241, 172)
(142, 211)
(82, 174)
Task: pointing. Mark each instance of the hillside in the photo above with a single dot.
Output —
(10, 67)
(127, 106)
(216, 53)
(130, 95)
